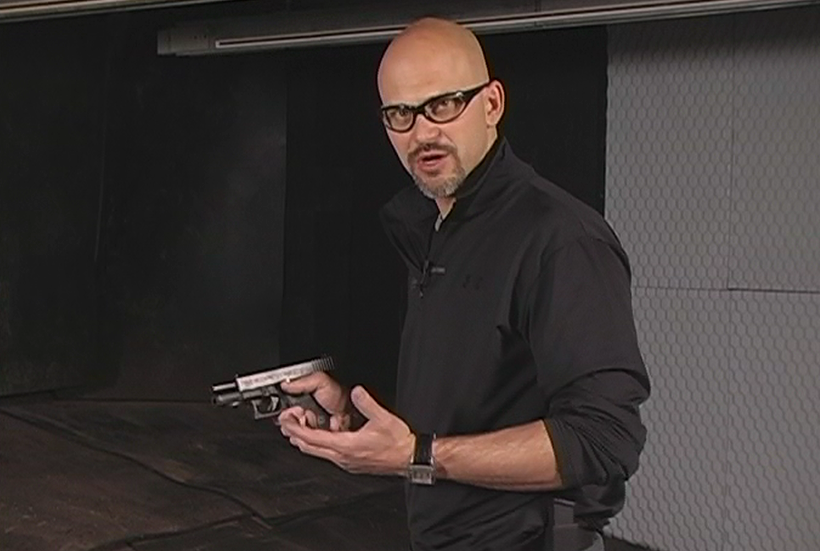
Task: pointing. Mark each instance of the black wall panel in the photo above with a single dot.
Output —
(556, 104)
(343, 283)
(193, 220)
(52, 108)
(182, 163)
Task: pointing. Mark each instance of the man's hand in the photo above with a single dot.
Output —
(329, 394)
(383, 445)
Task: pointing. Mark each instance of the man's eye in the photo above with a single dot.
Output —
(399, 113)
(445, 106)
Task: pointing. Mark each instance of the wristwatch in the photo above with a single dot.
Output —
(422, 469)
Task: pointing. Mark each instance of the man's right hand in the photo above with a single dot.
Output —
(329, 394)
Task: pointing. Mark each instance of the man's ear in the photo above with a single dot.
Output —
(494, 103)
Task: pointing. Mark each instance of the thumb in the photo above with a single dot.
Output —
(300, 385)
(365, 403)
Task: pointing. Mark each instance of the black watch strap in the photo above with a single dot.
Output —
(423, 453)
(422, 468)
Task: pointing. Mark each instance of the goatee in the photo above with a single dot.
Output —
(450, 184)
(447, 188)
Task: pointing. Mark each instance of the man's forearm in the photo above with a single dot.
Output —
(519, 458)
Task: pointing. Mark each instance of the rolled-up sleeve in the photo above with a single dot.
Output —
(581, 331)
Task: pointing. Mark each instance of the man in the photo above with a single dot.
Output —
(519, 372)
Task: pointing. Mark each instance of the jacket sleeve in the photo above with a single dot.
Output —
(581, 331)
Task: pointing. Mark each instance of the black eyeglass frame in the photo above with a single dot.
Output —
(421, 108)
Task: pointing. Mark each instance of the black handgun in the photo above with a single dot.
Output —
(263, 391)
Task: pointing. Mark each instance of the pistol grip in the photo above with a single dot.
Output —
(306, 401)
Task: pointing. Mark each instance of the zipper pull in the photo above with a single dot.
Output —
(425, 274)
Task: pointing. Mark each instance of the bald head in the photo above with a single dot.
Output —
(432, 52)
(438, 64)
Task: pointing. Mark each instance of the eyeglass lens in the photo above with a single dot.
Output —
(440, 109)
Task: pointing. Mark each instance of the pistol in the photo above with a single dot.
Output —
(263, 391)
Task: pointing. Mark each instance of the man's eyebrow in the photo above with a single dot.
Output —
(396, 105)
(413, 106)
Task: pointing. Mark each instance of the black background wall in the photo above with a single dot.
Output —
(52, 104)
(168, 222)
(193, 220)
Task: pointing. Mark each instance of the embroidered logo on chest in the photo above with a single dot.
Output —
(472, 282)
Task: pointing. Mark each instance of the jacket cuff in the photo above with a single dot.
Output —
(565, 446)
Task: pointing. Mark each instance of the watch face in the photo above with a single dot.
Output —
(422, 474)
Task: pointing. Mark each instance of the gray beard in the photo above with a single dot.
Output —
(447, 188)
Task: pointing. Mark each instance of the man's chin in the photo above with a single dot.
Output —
(436, 193)
(437, 190)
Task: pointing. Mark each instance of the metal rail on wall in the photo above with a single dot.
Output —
(26, 10)
(279, 28)
(329, 28)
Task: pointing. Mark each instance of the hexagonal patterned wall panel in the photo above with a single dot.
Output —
(773, 424)
(713, 185)
(678, 492)
(776, 160)
(669, 150)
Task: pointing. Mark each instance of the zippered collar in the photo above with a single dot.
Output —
(409, 216)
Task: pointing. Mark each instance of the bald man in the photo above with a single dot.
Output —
(519, 371)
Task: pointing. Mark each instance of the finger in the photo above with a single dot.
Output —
(293, 411)
(308, 383)
(366, 404)
(287, 425)
(286, 428)
(316, 451)
(310, 419)
(339, 423)
(338, 441)
(294, 414)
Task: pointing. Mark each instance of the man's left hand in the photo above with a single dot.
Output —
(383, 445)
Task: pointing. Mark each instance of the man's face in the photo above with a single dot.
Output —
(438, 156)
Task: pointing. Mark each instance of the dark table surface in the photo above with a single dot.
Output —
(162, 476)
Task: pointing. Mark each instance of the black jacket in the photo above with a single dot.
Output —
(519, 308)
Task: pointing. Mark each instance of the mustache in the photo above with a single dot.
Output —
(430, 148)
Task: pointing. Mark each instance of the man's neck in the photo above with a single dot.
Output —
(445, 204)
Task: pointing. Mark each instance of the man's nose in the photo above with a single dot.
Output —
(424, 129)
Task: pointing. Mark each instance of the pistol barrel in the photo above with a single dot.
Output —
(227, 398)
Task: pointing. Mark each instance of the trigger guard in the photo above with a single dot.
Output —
(266, 407)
